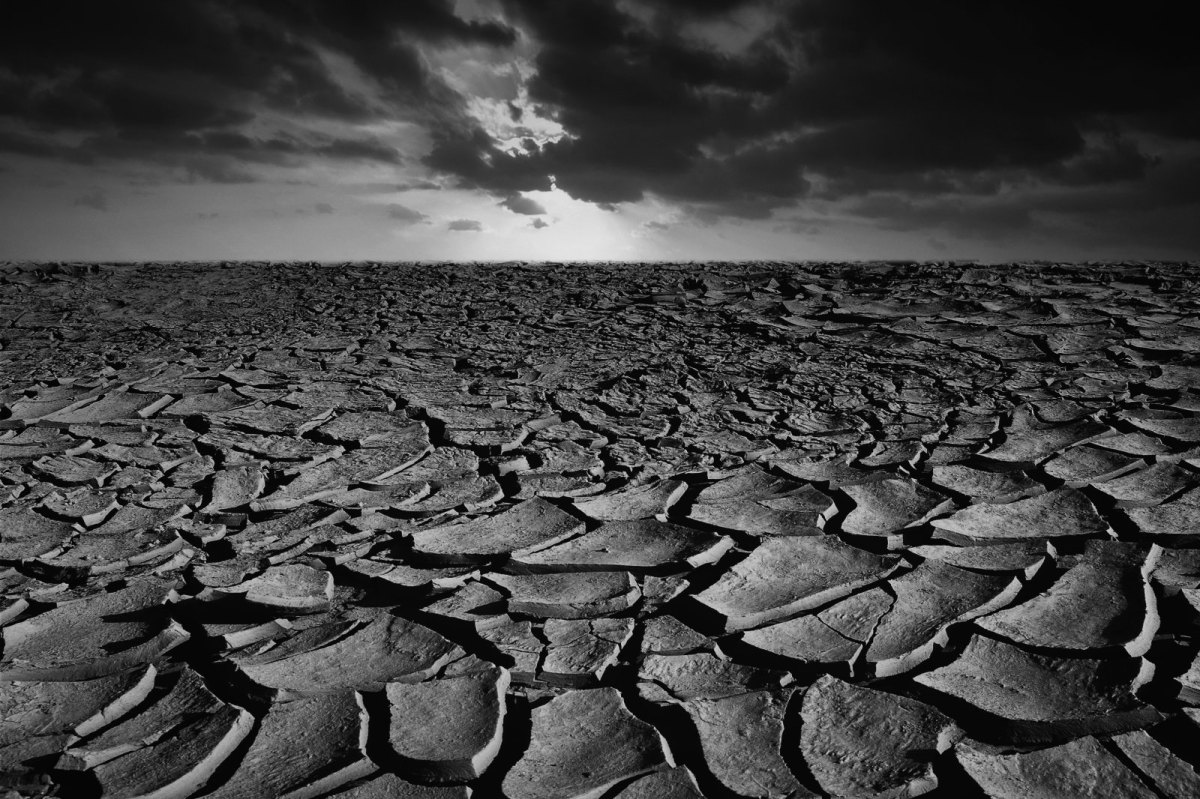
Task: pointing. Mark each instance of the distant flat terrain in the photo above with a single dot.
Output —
(548, 531)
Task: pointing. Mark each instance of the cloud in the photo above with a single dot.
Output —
(927, 114)
(523, 205)
(836, 98)
(989, 218)
(213, 170)
(323, 208)
(96, 200)
(402, 213)
(538, 224)
(465, 225)
(419, 185)
(364, 150)
(234, 82)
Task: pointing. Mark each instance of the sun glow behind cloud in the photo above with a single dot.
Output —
(570, 230)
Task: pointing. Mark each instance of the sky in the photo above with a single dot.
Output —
(333, 130)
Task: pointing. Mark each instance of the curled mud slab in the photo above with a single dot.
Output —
(540, 530)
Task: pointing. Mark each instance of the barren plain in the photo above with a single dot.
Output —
(550, 531)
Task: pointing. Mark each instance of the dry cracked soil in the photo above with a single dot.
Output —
(549, 531)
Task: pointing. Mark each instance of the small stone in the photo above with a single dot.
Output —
(234, 487)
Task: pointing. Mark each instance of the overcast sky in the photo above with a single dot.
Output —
(598, 129)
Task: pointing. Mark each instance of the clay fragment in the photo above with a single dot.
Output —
(582, 743)
(644, 544)
(740, 736)
(862, 742)
(786, 576)
(525, 528)
(1079, 768)
(304, 747)
(387, 649)
(1059, 513)
(1039, 695)
(448, 730)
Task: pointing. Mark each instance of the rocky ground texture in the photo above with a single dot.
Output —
(565, 531)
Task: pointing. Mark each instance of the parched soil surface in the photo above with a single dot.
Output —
(555, 531)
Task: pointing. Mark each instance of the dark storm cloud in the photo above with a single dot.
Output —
(174, 81)
(842, 98)
(897, 110)
(402, 213)
(523, 205)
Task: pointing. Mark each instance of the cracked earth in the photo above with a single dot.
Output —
(547, 532)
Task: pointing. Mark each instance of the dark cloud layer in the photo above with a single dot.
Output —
(404, 214)
(924, 114)
(178, 81)
(523, 205)
(840, 98)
